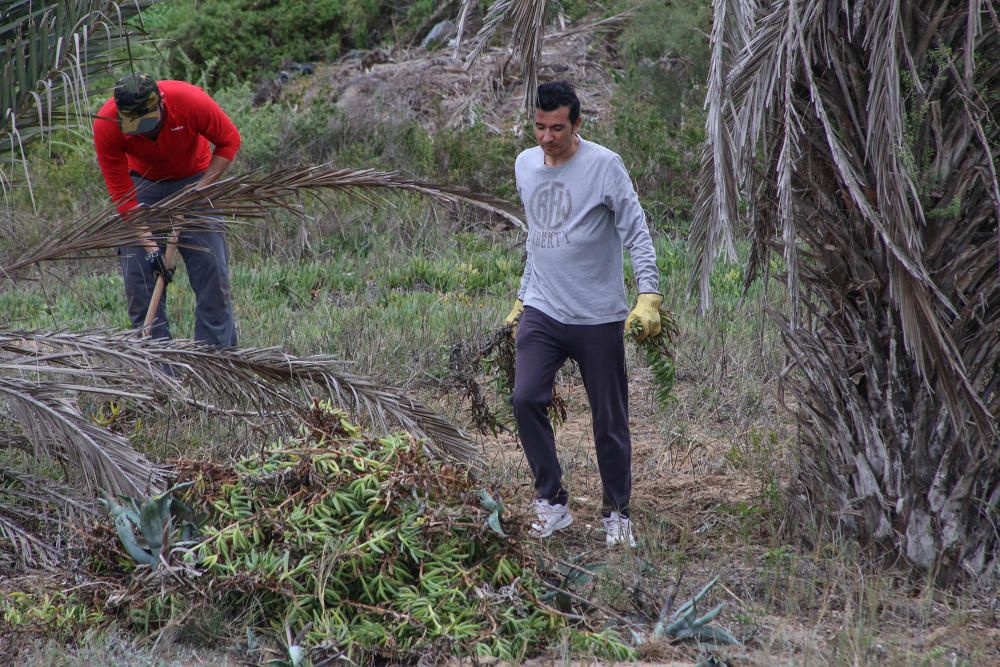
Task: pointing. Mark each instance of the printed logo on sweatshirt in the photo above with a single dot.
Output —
(179, 127)
(550, 208)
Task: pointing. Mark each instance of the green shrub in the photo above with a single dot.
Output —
(243, 38)
(479, 158)
(674, 36)
(57, 614)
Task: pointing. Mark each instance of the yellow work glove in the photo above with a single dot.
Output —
(647, 314)
(514, 317)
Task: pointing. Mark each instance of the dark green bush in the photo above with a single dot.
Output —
(243, 38)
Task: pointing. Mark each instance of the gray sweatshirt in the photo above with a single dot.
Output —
(580, 216)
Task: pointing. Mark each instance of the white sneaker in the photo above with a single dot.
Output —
(618, 530)
(550, 517)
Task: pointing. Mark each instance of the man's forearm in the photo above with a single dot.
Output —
(216, 168)
(146, 238)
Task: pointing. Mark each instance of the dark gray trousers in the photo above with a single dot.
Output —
(543, 345)
(206, 259)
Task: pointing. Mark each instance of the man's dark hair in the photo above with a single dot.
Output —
(555, 94)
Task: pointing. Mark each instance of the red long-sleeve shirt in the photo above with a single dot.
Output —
(191, 120)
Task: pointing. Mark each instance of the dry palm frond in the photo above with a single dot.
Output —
(243, 197)
(264, 381)
(38, 491)
(57, 428)
(266, 377)
(853, 140)
(26, 504)
(48, 51)
(526, 37)
(27, 547)
(714, 225)
(610, 23)
(44, 375)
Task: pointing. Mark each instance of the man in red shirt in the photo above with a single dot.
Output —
(152, 140)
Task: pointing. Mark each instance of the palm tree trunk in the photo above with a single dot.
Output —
(862, 138)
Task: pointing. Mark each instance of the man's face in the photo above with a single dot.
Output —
(554, 133)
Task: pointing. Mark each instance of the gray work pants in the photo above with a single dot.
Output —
(543, 345)
(206, 259)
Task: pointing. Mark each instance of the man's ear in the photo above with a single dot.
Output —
(577, 123)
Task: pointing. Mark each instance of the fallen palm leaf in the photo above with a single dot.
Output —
(25, 544)
(122, 365)
(243, 198)
(29, 505)
(45, 374)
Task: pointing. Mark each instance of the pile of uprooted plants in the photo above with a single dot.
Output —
(331, 546)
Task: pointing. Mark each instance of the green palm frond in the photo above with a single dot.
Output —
(244, 198)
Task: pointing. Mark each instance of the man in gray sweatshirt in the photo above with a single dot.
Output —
(582, 211)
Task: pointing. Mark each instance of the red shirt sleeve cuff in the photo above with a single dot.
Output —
(127, 206)
(227, 152)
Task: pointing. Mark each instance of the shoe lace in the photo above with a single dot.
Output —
(543, 510)
(617, 526)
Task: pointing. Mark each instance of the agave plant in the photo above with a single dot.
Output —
(687, 623)
(162, 523)
(857, 142)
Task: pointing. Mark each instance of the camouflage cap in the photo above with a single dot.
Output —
(138, 100)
